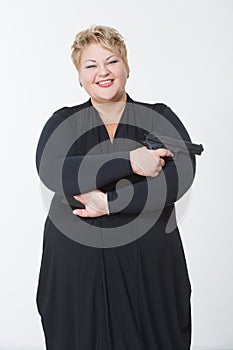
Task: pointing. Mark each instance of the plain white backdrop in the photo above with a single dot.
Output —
(180, 53)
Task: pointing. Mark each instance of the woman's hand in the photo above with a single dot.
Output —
(96, 204)
(147, 162)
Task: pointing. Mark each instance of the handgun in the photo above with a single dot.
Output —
(155, 140)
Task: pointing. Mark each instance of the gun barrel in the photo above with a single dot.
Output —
(156, 140)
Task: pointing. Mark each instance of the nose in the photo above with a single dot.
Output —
(103, 71)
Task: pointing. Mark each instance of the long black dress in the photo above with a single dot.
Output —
(119, 281)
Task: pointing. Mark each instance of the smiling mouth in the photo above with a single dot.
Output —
(105, 83)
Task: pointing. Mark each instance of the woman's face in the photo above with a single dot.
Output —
(103, 74)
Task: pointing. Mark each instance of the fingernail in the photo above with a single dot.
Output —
(74, 211)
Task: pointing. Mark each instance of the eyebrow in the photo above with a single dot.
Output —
(95, 61)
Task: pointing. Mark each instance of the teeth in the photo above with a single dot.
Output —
(105, 82)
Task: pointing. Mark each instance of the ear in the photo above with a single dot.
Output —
(79, 80)
(128, 71)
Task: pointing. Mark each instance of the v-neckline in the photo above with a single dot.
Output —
(128, 99)
(114, 135)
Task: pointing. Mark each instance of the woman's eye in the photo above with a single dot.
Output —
(91, 66)
(112, 62)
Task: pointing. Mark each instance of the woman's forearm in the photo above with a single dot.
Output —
(155, 193)
(65, 172)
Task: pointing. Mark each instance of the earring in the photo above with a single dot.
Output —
(80, 84)
(127, 76)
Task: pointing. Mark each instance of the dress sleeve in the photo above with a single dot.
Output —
(153, 193)
(58, 164)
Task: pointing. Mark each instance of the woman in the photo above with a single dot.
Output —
(113, 272)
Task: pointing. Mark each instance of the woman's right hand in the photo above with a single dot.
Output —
(147, 162)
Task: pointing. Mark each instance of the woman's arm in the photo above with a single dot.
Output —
(59, 166)
(149, 194)
(156, 193)
(66, 173)
(172, 183)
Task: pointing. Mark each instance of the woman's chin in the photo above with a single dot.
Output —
(108, 96)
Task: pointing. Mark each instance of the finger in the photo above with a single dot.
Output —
(155, 174)
(81, 212)
(158, 170)
(80, 199)
(162, 152)
(76, 197)
(162, 162)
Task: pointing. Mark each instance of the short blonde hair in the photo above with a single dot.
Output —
(108, 37)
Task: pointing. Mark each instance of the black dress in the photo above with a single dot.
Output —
(119, 281)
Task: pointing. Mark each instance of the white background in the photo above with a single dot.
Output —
(180, 53)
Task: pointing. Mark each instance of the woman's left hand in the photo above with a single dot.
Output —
(96, 204)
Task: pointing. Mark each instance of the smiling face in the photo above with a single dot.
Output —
(103, 74)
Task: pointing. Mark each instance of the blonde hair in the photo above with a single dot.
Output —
(108, 37)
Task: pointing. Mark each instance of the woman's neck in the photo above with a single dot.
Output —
(110, 111)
